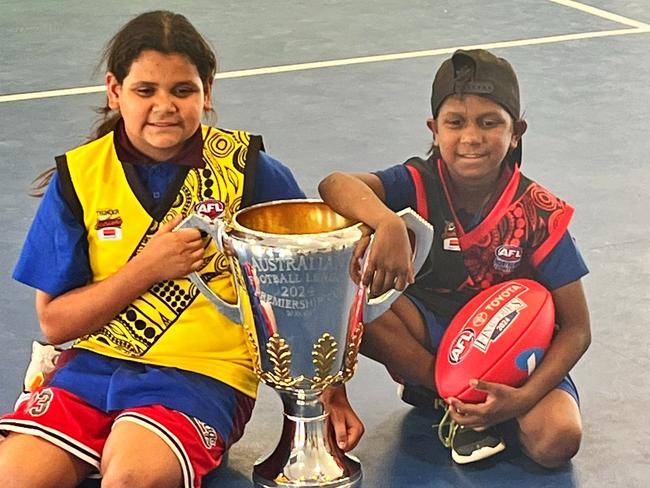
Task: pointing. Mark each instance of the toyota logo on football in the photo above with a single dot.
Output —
(479, 319)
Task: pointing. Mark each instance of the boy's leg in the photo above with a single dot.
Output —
(399, 340)
(29, 461)
(550, 433)
(402, 340)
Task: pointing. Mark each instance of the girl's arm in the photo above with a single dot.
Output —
(360, 197)
(168, 255)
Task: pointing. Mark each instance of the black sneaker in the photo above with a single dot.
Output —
(421, 397)
(468, 445)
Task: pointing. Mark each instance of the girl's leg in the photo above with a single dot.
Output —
(27, 461)
(399, 339)
(136, 457)
(550, 433)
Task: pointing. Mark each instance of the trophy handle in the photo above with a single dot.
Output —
(216, 229)
(423, 233)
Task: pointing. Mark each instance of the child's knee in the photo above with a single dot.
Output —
(554, 446)
(131, 478)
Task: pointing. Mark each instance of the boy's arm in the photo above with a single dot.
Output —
(569, 344)
(360, 197)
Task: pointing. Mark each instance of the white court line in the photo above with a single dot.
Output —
(601, 13)
(349, 61)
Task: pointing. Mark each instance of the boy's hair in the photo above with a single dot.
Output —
(478, 72)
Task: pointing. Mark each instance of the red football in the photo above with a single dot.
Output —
(500, 335)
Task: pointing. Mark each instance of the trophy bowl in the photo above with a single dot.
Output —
(290, 262)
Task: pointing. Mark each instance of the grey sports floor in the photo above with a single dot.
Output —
(585, 77)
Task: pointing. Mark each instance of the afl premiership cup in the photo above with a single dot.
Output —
(303, 316)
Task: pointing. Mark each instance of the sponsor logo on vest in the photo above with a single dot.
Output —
(507, 258)
(210, 208)
(109, 224)
(450, 240)
(460, 346)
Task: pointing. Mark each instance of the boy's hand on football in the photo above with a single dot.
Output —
(502, 403)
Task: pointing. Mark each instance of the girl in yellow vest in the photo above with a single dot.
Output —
(158, 385)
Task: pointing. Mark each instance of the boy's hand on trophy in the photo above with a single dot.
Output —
(356, 262)
(389, 264)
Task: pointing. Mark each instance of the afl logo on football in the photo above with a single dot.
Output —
(210, 208)
(461, 346)
(507, 258)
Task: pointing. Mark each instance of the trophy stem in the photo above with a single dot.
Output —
(307, 454)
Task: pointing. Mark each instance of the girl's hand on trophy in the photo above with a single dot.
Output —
(389, 264)
(348, 428)
(172, 254)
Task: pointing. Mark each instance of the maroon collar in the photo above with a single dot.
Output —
(191, 154)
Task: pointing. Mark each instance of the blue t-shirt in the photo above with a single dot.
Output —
(563, 265)
(54, 258)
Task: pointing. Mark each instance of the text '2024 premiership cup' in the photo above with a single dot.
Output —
(303, 317)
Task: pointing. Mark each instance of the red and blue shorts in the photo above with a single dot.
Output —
(199, 418)
(67, 421)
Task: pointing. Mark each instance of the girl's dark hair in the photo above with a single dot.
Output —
(159, 30)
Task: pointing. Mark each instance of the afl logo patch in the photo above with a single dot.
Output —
(507, 258)
(210, 208)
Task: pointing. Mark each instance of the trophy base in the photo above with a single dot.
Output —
(307, 454)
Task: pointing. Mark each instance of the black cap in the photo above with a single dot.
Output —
(478, 72)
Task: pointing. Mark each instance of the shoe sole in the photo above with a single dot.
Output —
(479, 454)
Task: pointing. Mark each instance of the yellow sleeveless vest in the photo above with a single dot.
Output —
(172, 324)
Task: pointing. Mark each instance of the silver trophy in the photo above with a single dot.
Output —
(304, 318)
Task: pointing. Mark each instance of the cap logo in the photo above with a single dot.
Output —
(479, 87)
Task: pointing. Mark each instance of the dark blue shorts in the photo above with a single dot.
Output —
(438, 325)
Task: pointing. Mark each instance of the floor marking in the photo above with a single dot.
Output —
(601, 13)
(351, 61)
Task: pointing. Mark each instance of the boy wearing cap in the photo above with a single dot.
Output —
(471, 190)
